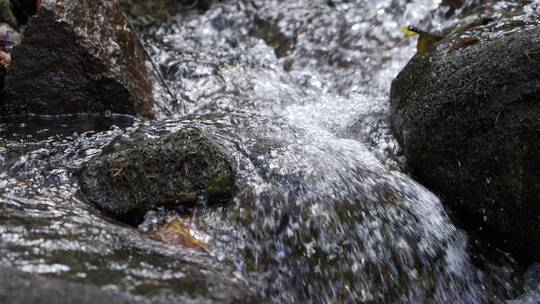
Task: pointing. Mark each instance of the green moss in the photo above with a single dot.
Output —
(175, 170)
(143, 13)
(249, 259)
(220, 186)
(7, 15)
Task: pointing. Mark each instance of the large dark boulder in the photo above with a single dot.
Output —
(467, 115)
(78, 56)
(177, 170)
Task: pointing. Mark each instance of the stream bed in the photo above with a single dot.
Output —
(297, 93)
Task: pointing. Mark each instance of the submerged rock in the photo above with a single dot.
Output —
(78, 56)
(467, 116)
(143, 13)
(179, 169)
(270, 32)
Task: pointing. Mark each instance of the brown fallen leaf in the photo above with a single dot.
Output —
(182, 231)
(5, 59)
(463, 42)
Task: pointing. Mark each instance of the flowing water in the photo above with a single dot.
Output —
(297, 92)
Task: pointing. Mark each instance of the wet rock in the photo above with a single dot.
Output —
(178, 170)
(270, 32)
(144, 13)
(40, 290)
(467, 116)
(218, 284)
(78, 56)
(453, 5)
(9, 37)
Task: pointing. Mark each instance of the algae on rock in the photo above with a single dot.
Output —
(144, 13)
(7, 14)
(177, 170)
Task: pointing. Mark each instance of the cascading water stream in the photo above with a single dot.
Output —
(297, 93)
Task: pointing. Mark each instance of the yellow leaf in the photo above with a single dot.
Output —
(426, 40)
(408, 32)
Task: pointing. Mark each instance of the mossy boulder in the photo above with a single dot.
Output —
(467, 115)
(181, 169)
(78, 56)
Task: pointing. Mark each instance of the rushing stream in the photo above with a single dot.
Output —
(297, 93)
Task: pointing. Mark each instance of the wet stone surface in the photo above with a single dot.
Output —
(20, 287)
(178, 170)
(78, 57)
(466, 115)
(46, 229)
